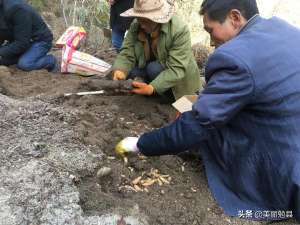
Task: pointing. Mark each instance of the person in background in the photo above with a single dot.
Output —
(157, 49)
(246, 121)
(119, 24)
(25, 39)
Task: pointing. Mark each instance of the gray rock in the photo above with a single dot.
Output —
(104, 171)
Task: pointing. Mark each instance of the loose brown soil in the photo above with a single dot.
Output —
(103, 121)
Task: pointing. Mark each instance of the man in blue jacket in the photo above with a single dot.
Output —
(246, 121)
(25, 38)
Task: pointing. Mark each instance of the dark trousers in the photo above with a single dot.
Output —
(117, 38)
(34, 58)
(148, 74)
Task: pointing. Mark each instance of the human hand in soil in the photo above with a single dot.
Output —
(142, 88)
(127, 146)
(119, 75)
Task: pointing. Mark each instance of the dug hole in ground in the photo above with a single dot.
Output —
(58, 164)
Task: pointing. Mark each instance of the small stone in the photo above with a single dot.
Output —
(188, 196)
(194, 190)
(74, 179)
(182, 168)
(115, 108)
(4, 71)
(228, 220)
(111, 157)
(141, 116)
(104, 171)
(39, 150)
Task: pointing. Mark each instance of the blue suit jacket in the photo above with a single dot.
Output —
(246, 121)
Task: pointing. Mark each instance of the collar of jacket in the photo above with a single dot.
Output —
(249, 23)
(142, 36)
(164, 27)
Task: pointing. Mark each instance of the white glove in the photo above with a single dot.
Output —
(127, 146)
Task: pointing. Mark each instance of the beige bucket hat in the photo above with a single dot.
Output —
(159, 11)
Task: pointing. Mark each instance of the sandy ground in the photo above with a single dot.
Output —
(100, 122)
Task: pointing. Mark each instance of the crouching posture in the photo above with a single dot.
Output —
(246, 121)
(157, 48)
(24, 37)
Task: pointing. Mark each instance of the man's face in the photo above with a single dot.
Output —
(223, 32)
(147, 25)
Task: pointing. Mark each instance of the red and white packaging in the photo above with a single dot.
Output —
(73, 36)
(74, 61)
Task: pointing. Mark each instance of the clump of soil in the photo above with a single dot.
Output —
(109, 87)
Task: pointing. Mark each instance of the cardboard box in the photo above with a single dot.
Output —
(185, 103)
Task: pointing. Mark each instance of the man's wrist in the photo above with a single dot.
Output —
(153, 89)
(136, 149)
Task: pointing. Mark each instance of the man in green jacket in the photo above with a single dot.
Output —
(157, 48)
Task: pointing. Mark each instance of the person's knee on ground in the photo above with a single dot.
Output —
(28, 64)
(54, 66)
(153, 69)
(25, 64)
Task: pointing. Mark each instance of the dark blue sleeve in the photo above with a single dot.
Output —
(22, 30)
(183, 134)
(229, 88)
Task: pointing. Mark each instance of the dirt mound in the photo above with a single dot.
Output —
(52, 147)
(41, 160)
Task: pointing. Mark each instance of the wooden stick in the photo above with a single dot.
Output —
(85, 93)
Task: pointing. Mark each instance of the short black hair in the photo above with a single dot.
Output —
(218, 9)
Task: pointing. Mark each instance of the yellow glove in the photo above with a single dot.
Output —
(142, 88)
(119, 75)
(127, 146)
